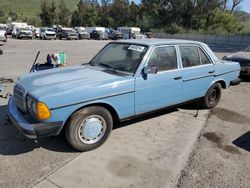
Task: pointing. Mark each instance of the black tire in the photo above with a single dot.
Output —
(74, 129)
(212, 96)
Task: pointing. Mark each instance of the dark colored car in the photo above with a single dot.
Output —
(67, 33)
(243, 58)
(150, 35)
(98, 35)
(114, 34)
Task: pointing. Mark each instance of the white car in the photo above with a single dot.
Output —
(24, 33)
(47, 33)
(37, 32)
(3, 35)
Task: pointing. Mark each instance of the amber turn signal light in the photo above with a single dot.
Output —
(43, 111)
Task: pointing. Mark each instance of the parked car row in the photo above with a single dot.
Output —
(23, 30)
(3, 34)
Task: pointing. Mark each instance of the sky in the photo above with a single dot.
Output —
(245, 5)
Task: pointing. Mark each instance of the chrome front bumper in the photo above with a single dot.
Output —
(30, 130)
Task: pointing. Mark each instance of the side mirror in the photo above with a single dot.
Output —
(149, 70)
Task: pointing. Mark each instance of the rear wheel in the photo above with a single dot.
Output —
(212, 96)
(89, 128)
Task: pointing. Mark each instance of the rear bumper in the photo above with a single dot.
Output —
(24, 36)
(235, 82)
(72, 37)
(31, 130)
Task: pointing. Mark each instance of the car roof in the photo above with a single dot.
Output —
(157, 42)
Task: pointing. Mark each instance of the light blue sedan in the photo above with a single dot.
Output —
(125, 79)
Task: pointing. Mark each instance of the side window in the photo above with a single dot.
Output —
(164, 58)
(189, 56)
(204, 59)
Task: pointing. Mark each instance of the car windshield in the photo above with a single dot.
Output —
(68, 30)
(247, 49)
(49, 29)
(121, 57)
(24, 29)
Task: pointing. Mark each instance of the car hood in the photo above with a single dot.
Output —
(50, 32)
(118, 33)
(71, 33)
(64, 86)
(24, 31)
(85, 33)
(239, 55)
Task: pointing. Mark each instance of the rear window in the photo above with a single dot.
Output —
(189, 56)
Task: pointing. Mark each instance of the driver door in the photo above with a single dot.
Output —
(155, 91)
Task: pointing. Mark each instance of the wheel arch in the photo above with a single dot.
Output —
(109, 107)
(221, 82)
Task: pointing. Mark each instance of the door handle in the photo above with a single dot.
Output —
(178, 78)
(211, 72)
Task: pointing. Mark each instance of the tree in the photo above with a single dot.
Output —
(48, 13)
(235, 4)
(63, 14)
(13, 16)
(85, 15)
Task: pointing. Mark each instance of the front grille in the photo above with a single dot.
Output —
(50, 35)
(85, 35)
(19, 97)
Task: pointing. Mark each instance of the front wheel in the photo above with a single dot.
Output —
(89, 128)
(212, 96)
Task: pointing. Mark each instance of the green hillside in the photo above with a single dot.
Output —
(29, 8)
(244, 19)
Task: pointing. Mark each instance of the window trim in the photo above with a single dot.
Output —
(210, 62)
(160, 46)
(197, 46)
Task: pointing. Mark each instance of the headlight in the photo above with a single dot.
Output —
(38, 109)
(31, 105)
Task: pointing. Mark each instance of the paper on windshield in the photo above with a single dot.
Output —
(137, 48)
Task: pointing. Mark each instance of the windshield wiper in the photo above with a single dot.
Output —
(107, 66)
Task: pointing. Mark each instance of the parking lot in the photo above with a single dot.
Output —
(167, 149)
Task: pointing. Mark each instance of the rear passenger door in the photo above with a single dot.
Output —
(198, 71)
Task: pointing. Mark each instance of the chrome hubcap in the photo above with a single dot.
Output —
(92, 129)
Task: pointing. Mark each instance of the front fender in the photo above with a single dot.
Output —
(123, 105)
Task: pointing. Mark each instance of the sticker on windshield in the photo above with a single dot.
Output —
(136, 48)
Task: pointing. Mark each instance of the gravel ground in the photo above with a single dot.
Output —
(221, 155)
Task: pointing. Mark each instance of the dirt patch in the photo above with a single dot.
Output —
(230, 116)
(6, 80)
(231, 149)
(125, 166)
(213, 137)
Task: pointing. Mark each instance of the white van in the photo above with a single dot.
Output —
(90, 29)
(129, 32)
